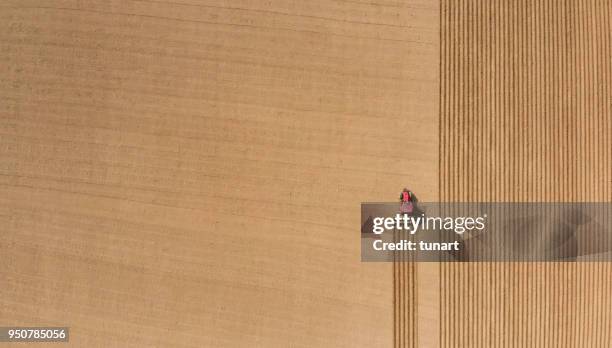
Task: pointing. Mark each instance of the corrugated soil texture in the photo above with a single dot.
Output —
(526, 115)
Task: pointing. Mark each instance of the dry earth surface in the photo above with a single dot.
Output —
(189, 174)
